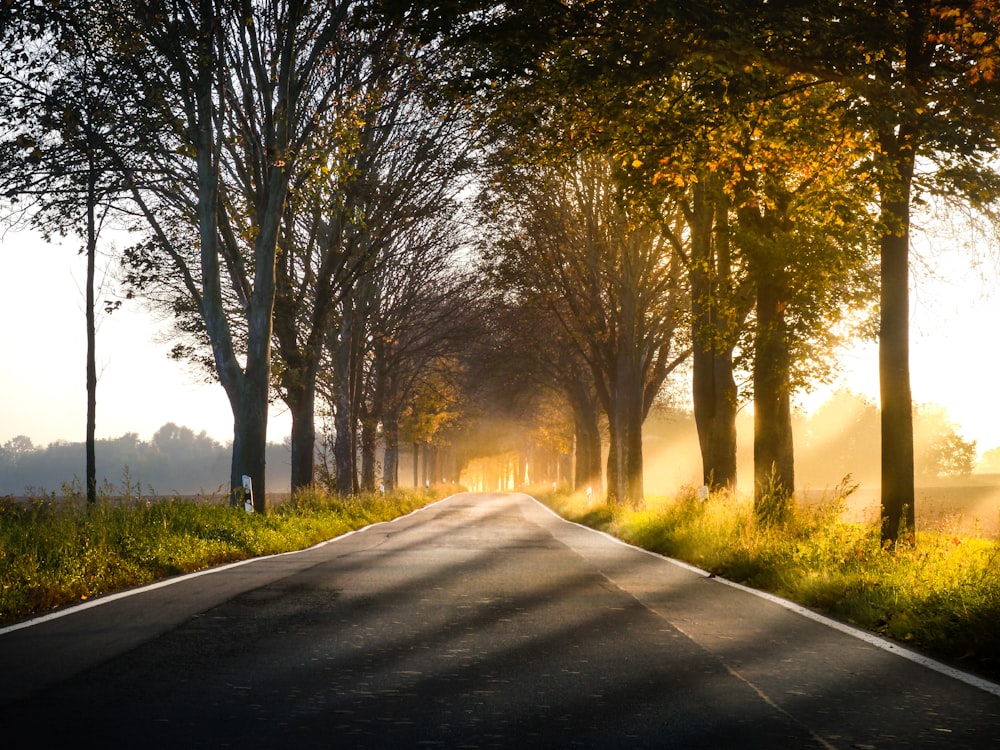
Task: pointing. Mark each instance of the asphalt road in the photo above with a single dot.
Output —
(480, 621)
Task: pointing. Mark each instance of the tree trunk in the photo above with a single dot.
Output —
(390, 462)
(343, 458)
(633, 444)
(249, 446)
(372, 412)
(91, 438)
(212, 308)
(773, 452)
(256, 389)
(300, 361)
(624, 459)
(301, 405)
(247, 388)
(627, 420)
(416, 464)
(615, 492)
(343, 445)
(369, 439)
(586, 420)
(897, 502)
(713, 385)
(714, 394)
(343, 440)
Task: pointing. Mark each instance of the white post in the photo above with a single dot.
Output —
(247, 494)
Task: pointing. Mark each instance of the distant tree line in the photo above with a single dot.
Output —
(176, 460)
(843, 436)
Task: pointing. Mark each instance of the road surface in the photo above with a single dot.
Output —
(479, 621)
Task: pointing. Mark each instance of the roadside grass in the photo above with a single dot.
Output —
(939, 596)
(56, 551)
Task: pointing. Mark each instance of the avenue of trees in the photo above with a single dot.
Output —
(271, 159)
(842, 433)
(410, 216)
(795, 140)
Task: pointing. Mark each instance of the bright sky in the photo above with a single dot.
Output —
(955, 357)
(43, 376)
(954, 354)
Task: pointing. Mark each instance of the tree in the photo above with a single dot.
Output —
(806, 234)
(323, 247)
(919, 81)
(58, 88)
(841, 438)
(989, 463)
(428, 314)
(612, 281)
(525, 363)
(940, 451)
(231, 99)
(15, 448)
(434, 407)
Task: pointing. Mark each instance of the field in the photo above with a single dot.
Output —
(969, 506)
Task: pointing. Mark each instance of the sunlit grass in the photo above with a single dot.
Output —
(58, 551)
(940, 595)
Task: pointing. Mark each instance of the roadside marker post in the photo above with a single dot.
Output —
(247, 494)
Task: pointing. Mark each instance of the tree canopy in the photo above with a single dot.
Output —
(721, 190)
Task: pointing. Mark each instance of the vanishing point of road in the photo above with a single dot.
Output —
(479, 621)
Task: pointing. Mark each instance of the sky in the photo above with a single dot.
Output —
(43, 340)
(955, 355)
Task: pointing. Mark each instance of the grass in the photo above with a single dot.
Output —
(940, 596)
(60, 551)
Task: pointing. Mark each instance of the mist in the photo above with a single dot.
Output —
(176, 461)
(838, 445)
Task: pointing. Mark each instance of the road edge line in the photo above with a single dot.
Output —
(115, 596)
(860, 634)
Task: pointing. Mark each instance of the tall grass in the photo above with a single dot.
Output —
(56, 551)
(940, 595)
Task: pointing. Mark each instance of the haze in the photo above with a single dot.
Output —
(42, 392)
